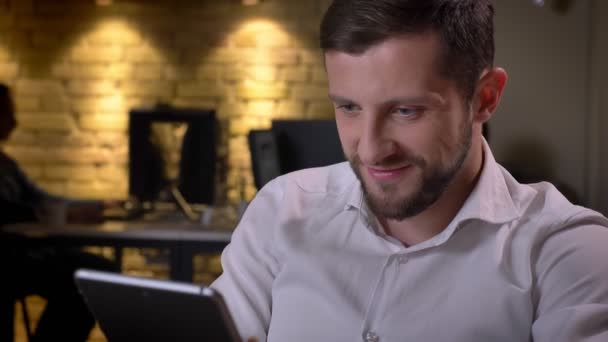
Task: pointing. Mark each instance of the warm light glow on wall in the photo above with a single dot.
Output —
(4, 52)
(113, 28)
(262, 34)
(116, 36)
(103, 2)
(259, 24)
(113, 32)
(250, 2)
(260, 39)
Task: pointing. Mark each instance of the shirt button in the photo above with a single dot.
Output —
(402, 259)
(370, 336)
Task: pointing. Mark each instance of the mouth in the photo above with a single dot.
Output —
(388, 174)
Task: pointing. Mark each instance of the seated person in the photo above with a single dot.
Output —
(421, 235)
(44, 271)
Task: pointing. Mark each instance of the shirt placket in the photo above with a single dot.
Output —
(378, 298)
(387, 278)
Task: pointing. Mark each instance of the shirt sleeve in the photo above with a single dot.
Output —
(18, 191)
(572, 283)
(20, 198)
(250, 264)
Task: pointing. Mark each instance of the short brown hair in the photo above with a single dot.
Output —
(466, 29)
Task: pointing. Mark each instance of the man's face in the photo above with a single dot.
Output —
(405, 130)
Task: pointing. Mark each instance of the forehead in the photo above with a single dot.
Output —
(399, 63)
(405, 46)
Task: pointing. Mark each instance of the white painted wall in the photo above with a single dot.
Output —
(542, 125)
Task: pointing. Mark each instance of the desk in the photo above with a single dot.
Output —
(183, 239)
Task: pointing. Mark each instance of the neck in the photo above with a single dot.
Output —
(435, 218)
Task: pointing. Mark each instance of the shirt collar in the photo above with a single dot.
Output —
(355, 199)
(489, 201)
(491, 198)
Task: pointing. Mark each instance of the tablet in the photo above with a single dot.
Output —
(140, 309)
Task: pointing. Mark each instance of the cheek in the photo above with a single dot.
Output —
(421, 137)
(348, 136)
(428, 141)
(448, 143)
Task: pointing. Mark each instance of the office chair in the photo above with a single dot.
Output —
(265, 162)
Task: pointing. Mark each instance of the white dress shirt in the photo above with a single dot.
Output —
(517, 263)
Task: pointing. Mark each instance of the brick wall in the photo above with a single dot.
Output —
(76, 68)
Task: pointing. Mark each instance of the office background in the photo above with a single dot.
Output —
(78, 66)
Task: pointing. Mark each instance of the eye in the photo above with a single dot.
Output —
(408, 112)
(347, 108)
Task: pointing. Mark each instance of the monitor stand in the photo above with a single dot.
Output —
(183, 205)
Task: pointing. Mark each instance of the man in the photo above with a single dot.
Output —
(45, 271)
(422, 236)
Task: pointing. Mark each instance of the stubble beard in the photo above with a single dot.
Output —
(433, 183)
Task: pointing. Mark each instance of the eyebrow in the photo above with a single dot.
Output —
(339, 99)
(433, 98)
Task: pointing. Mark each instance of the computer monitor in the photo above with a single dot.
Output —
(307, 143)
(172, 149)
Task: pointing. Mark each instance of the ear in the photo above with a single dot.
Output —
(488, 93)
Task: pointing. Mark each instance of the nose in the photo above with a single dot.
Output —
(375, 145)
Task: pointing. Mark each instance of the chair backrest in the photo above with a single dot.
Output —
(264, 156)
(292, 145)
(307, 143)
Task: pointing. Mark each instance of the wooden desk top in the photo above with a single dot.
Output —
(120, 229)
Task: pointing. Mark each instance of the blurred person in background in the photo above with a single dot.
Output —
(44, 271)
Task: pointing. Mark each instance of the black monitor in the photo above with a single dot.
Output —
(307, 143)
(172, 149)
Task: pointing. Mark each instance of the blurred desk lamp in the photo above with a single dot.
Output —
(560, 6)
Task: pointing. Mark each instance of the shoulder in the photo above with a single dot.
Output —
(571, 278)
(297, 200)
(566, 231)
(9, 170)
(546, 210)
(334, 180)
(550, 227)
(565, 243)
(7, 162)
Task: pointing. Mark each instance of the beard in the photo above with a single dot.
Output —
(389, 204)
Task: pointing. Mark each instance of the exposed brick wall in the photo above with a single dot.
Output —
(77, 68)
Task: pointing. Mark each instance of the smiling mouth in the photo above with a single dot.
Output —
(388, 174)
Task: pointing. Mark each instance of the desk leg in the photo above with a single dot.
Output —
(118, 257)
(180, 263)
